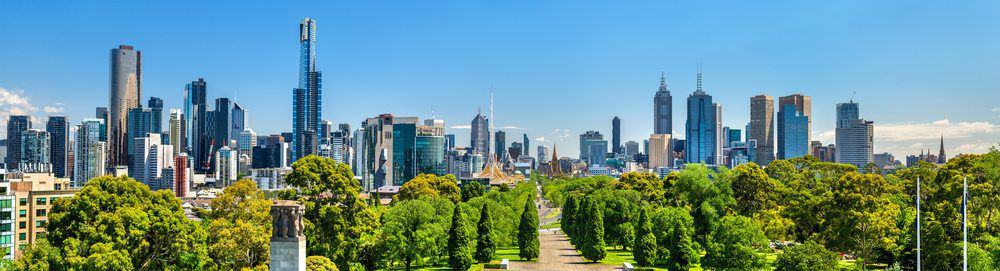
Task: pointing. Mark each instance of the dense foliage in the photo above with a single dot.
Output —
(527, 233)
(864, 215)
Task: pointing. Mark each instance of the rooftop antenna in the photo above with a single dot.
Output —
(853, 93)
(699, 78)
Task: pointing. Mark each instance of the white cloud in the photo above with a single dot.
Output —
(933, 130)
(995, 109)
(541, 139)
(826, 137)
(461, 127)
(13, 103)
(52, 109)
(510, 127)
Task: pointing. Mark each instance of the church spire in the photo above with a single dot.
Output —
(941, 158)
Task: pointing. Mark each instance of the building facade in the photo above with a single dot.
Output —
(89, 153)
(794, 125)
(663, 109)
(761, 128)
(125, 91)
(855, 136)
(703, 128)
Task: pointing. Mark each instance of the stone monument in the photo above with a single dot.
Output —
(288, 244)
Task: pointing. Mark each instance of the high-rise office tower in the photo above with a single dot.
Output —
(240, 120)
(227, 169)
(178, 134)
(794, 125)
(196, 114)
(527, 146)
(855, 136)
(631, 149)
(325, 130)
(761, 128)
(156, 116)
(480, 136)
(149, 159)
(616, 135)
(500, 145)
(35, 150)
(593, 148)
(223, 117)
(661, 154)
(16, 124)
(307, 97)
(58, 129)
(101, 112)
(429, 146)
(703, 124)
(139, 126)
(449, 141)
(125, 90)
(89, 153)
(543, 152)
(378, 147)
(663, 109)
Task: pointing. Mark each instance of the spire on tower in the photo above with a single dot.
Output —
(941, 158)
(663, 82)
(699, 79)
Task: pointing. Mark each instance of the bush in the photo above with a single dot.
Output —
(808, 256)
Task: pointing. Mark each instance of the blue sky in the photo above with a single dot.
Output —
(559, 68)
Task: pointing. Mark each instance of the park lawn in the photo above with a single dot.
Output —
(550, 226)
(553, 214)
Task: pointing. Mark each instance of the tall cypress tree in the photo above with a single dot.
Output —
(485, 247)
(459, 250)
(593, 230)
(645, 242)
(681, 248)
(527, 232)
(568, 216)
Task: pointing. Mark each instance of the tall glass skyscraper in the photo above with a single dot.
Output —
(125, 90)
(89, 154)
(307, 97)
(855, 136)
(616, 135)
(480, 136)
(196, 112)
(663, 108)
(794, 125)
(58, 129)
(761, 128)
(703, 124)
(16, 124)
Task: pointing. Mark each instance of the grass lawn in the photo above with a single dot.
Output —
(553, 214)
(549, 226)
(509, 253)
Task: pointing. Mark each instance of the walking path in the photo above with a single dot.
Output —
(555, 251)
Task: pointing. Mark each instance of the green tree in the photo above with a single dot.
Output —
(735, 245)
(682, 253)
(644, 249)
(619, 208)
(648, 184)
(459, 241)
(116, 223)
(472, 189)
(320, 263)
(527, 234)
(412, 229)
(864, 217)
(240, 229)
(593, 247)
(753, 190)
(706, 199)
(485, 247)
(430, 185)
(569, 211)
(809, 256)
(674, 230)
(337, 222)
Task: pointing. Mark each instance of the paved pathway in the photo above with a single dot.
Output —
(556, 253)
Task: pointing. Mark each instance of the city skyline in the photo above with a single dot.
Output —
(905, 121)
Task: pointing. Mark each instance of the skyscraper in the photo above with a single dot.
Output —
(89, 156)
(527, 146)
(761, 128)
(703, 124)
(616, 135)
(16, 124)
(307, 97)
(223, 118)
(125, 90)
(855, 136)
(593, 148)
(139, 126)
(794, 125)
(661, 155)
(500, 147)
(156, 116)
(480, 136)
(239, 121)
(198, 135)
(35, 150)
(178, 134)
(58, 129)
(663, 107)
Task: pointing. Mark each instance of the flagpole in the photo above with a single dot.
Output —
(918, 223)
(965, 226)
